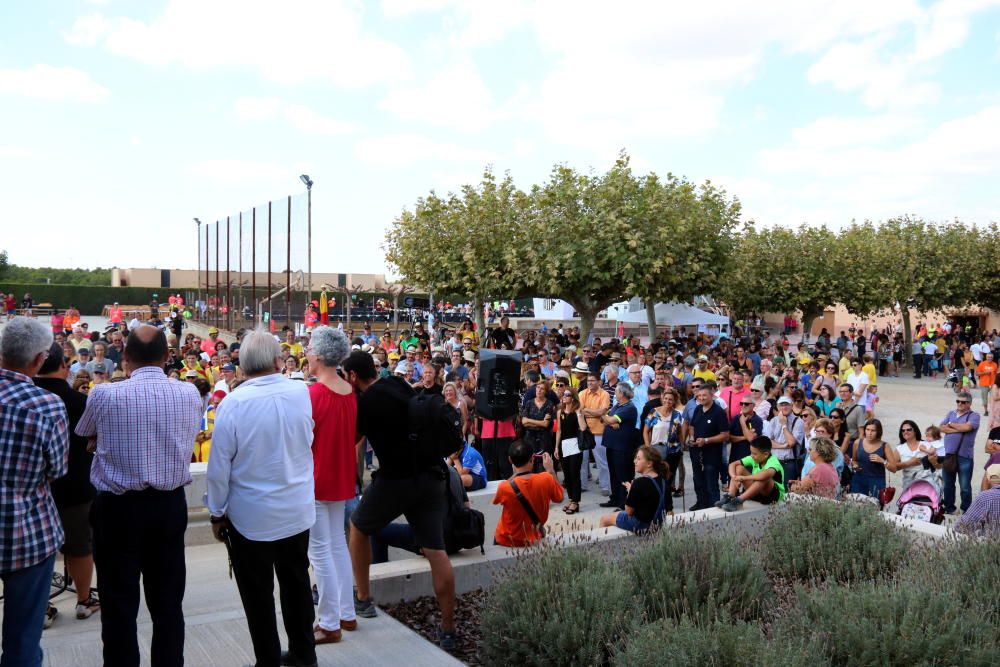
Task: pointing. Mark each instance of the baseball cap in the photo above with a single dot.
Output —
(702, 357)
(562, 374)
(228, 367)
(784, 399)
(993, 473)
(218, 394)
(394, 356)
(100, 369)
(83, 351)
(411, 348)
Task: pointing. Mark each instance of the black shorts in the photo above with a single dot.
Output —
(770, 498)
(79, 539)
(421, 499)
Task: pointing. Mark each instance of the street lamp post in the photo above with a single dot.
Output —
(309, 227)
(198, 291)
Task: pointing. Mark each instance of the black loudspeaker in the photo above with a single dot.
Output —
(497, 392)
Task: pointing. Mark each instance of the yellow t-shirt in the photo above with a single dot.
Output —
(845, 368)
(705, 375)
(869, 370)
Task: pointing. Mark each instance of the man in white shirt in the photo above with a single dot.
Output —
(786, 431)
(260, 496)
(227, 377)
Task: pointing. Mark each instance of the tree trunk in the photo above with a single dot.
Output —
(807, 323)
(907, 334)
(651, 319)
(480, 319)
(395, 314)
(588, 314)
(347, 306)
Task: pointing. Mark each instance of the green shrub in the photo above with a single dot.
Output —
(706, 577)
(817, 540)
(561, 607)
(966, 568)
(893, 623)
(717, 644)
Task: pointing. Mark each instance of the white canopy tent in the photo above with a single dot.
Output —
(672, 315)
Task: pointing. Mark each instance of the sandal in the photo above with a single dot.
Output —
(572, 508)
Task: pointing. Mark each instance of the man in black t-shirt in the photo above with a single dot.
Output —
(409, 483)
(502, 337)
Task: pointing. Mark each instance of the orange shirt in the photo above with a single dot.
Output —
(515, 529)
(595, 400)
(986, 371)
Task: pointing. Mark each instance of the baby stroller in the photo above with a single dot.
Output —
(952, 379)
(921, 500)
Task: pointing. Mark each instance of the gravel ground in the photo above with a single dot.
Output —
(424, 617)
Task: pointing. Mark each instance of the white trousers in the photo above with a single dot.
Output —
(331, 563)
(600, 454)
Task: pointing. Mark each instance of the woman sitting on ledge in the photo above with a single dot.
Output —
(648, 499)
(822, 478)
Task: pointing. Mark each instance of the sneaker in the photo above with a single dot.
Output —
(88, 607)
(447, 640)
(734, 505)
(725, 499)
(364, 608)
(50, 617)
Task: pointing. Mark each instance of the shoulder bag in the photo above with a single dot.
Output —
(535, 521)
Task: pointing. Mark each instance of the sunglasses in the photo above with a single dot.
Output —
(741, 403)
(567, 395)
(835, 417)
(906, 429)
(961, 402)
(560, 384)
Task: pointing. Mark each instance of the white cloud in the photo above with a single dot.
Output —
(848, 175)
(287, 42)
(454, 97)
(232, 171)
(45, 82)
(16, 153)
(298, 116)
(398, 150)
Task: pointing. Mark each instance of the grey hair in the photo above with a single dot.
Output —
(626, 391)
(24, 338)
(329, 345)
(611, 370)
(259, 351)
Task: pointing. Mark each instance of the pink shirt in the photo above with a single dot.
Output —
(732, 398)
(825, 476)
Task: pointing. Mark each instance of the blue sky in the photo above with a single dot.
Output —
(122, 119)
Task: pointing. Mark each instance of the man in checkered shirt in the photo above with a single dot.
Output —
(34, 447)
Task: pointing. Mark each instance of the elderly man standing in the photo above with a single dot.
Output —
(959, 428)
(260, 495)
(142, 431)
(34, 444)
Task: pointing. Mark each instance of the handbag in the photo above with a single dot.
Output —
(950, 461)
(586, 440)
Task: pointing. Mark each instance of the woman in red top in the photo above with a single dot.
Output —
(335, 413)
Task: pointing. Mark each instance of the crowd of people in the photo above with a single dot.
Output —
(102, 428)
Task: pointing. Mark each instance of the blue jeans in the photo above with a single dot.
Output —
(399, 535)
(964, 474)
(706, 462)
(26, 597)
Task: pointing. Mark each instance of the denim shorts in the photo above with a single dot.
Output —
(628, 522)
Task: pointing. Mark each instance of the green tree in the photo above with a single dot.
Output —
(778, 269)
(460, 244)
(905, 263)
(4, 264)
(572, 242)
(984, 262)
(682, 245)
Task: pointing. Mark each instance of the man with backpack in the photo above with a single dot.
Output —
(411, 480)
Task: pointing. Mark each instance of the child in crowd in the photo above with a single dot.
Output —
(760, 476)
(933, 442)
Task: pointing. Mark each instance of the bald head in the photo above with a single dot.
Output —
(146, 346)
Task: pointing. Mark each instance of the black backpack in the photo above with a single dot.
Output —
(466, 529)
(435, 427)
